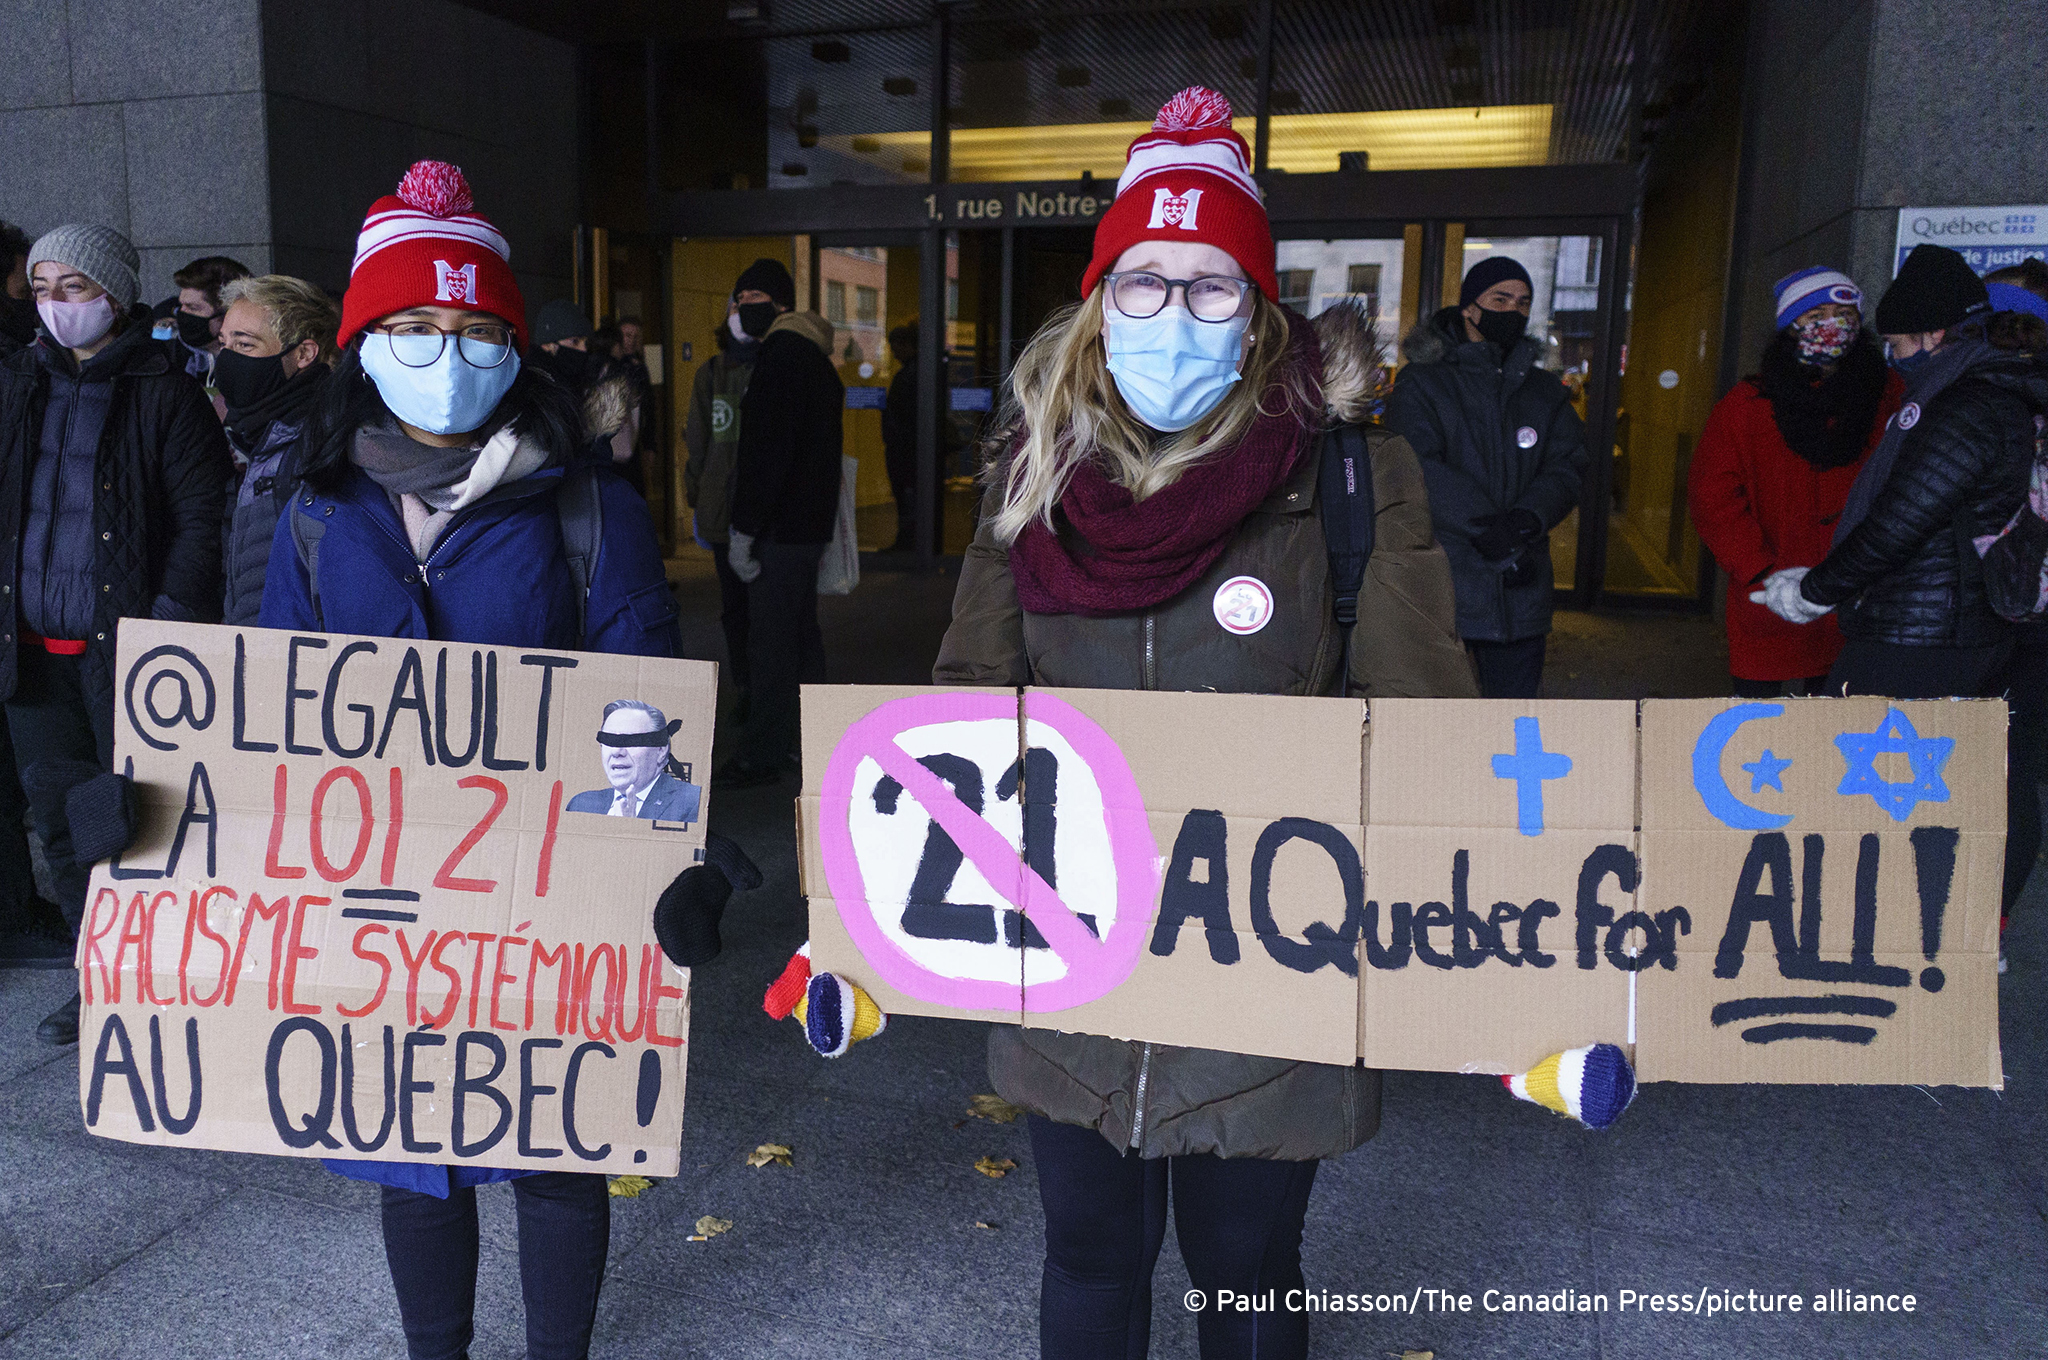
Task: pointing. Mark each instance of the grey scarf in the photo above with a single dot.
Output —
(405, 467)
(1948, 364)
(428, 484)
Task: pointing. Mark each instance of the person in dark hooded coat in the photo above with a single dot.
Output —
(1504, 455)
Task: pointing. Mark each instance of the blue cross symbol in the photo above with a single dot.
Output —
(1529, 766)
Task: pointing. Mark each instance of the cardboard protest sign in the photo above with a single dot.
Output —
(1433, 884)
(1500, 839)
(1234, 849)
(971, 852)
(1840, 861)
(392, 900)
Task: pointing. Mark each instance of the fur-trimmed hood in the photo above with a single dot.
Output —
(1354, 361)
(606, 406)
(1431, 341)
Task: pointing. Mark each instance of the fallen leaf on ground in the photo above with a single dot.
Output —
(770, 1152)
(709, 1227)
(629, 1187)
(994, 1109)
(995, 1168)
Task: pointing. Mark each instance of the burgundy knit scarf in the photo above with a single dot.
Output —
(1113, 554)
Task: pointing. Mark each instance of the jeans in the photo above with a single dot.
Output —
(565, 1222)
(1238, 1221)
(1509, 670)
(785, 650)
(49, 718)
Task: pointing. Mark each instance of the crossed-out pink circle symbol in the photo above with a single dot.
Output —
(1093, 967)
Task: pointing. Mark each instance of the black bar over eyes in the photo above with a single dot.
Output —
(658, 737)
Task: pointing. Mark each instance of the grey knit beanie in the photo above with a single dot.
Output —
(100, 253)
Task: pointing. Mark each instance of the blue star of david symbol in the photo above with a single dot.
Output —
(1764, 771)
(1895, 736)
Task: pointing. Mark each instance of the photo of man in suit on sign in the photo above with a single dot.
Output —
(633, 746)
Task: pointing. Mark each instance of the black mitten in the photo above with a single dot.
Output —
(725, 852)
(1495, 539)
(103, 816)
(1501, 535)
(47, 781)
(687, 916)
(99, 805)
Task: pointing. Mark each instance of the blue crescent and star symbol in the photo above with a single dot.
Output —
(1895, 735)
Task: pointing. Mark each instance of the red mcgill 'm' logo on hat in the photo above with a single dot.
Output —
(1189, 176)
(427, 246)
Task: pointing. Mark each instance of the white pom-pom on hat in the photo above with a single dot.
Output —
(1192, 110)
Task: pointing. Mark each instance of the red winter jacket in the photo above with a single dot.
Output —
(1760, 507)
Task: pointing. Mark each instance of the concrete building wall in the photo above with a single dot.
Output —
(356, 90)
(1858, 109)
(146, 115)
(262, 129)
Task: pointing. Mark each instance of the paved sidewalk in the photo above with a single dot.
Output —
(869, 1245)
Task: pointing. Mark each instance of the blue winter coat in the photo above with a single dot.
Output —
(480, 586)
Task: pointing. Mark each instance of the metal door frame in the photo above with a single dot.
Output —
(1571, 200)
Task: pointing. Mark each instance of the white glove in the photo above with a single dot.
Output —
(1781, 596)
(739, 552)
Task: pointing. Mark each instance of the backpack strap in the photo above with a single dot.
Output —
(306, 535)
(1344, 498)
(581, 511)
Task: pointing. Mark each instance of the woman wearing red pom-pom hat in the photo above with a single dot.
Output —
(1153, 521)
(437, 456)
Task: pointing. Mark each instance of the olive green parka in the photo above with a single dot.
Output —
(1160, 1099)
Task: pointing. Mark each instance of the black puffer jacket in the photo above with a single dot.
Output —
(1900, 575)
(161, 477)
(259, 502)
(1493, 436)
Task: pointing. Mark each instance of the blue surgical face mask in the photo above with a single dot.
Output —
(449, 396)
(1171, 369)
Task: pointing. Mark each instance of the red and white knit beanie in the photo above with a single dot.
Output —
(1189, 179)
(427, 246)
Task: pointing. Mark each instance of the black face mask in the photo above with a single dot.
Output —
(196, 331)
(571, 367)
(1501, 328)
(18, 318)
(243, 380)
(757, 317)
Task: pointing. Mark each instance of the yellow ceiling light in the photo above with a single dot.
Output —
(1414, 139)
(1302, 143)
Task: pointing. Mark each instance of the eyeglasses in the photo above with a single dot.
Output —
(1140, 295)
(418, 344)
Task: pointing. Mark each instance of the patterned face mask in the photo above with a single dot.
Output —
(1825, 339)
